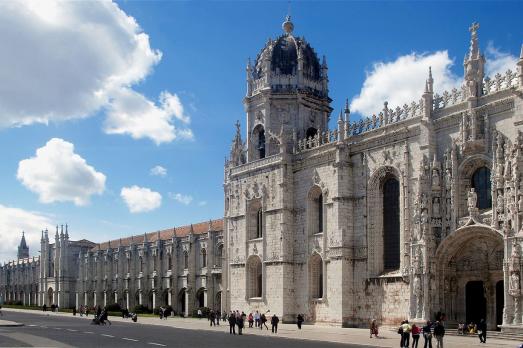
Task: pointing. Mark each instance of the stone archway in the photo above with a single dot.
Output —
(469, 267)
(50, 296)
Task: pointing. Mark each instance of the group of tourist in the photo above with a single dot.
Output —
(255, 320)
(406, 330)
(473, 329)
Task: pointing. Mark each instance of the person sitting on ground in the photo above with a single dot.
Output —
(373, 328)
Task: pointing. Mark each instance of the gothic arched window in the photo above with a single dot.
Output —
(311, 132)
(259, 223)
(219, 255)
(320, 213)
(316, 211)
(254, 277)
(481, 183)
(316, 276)
(391, 224)
(170, 262)
(185, 260)
(259, 141)
(141, 264)
(204, 258)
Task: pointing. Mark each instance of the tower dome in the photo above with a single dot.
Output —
(290, 61)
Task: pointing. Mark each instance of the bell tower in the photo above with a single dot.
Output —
(287, 93)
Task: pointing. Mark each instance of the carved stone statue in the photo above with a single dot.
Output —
(514, 288)
(472, 199)
(448, 182)
(435, 178)
(520, 202)
(500, 202)
(436, 207)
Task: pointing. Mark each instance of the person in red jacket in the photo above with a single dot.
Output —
(416, 330)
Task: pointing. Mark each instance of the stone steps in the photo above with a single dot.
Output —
(490, 334)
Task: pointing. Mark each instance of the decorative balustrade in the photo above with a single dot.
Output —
(500, 82)
(456, 96)
(349, 129)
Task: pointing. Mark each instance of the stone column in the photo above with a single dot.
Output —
(169, 297)
(76, 303)
(127, 299)
(105, 298)
(94, 299)
(205, 297)
(154, 299)
(85, 298)
(186, 293)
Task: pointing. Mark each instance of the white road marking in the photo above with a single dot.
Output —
(31, 325)
(156, 344)
(129, 339)
(72, 330)
(58, 328)
(88, 332)
(107, 335)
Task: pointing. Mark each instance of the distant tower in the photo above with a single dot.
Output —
(23, 249)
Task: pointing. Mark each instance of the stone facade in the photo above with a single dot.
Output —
(413, 211)
(179, 267)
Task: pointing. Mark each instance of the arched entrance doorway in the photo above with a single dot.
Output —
(200, 297)
(218, 301)
(181, 301)
(469, 270)
(50, 296)
(476, 303)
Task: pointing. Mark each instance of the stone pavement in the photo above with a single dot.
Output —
(309, 332)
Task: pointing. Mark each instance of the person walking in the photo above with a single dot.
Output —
(482, 331)
(232, 323)
(416, 330)
(257, 319)
(373, 328)
(299, 321)
(240, 320)
(212, 317)
(405, 329)
(427, 335)
(199, 313)
(439, 332)
(217, 318)
(251, 319)
(274, 323)
(263, 321)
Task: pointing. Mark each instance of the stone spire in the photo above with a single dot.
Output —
(474, 64)
(236, 155)
(66, 232)
(23, 249)
(347, 110)
(429, 85)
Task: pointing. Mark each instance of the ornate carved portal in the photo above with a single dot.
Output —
(469, 265)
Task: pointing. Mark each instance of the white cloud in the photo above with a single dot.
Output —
(202, 203)
(57, 174)
(181, 198)
(132, 113)
(140, 199)
(498, 61)
(68, 59)
(403, 80)
(158, 171)
(12, 222)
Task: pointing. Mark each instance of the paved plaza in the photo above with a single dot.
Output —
(64, 330)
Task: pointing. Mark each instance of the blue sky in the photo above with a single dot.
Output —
(194, 56)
